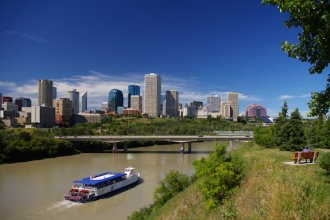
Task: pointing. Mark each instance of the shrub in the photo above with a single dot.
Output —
(325, 162)
(220, 173)
(173, 183)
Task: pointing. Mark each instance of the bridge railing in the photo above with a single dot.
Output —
(234, 133)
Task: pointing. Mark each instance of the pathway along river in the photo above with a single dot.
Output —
(35, 189)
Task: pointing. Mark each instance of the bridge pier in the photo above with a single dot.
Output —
(189, 147)
(114, 147)
(182, 148)
(125, 146)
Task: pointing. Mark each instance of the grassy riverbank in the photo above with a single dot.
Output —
(269, 190)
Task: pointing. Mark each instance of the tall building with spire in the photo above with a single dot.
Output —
(45, 92)
(151, 97)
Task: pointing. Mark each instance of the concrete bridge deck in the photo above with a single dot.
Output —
(170, 138)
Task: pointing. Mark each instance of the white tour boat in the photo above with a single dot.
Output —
(92, 187)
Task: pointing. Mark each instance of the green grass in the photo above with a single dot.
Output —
(270, 190)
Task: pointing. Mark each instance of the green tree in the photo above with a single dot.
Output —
(313, 46)
(279, 132)
(320, 102)
(296, 132)
(263, 136)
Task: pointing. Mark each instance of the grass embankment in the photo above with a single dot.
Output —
(270, 190)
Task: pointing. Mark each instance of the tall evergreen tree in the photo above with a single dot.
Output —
(279, 132)
(296, 132)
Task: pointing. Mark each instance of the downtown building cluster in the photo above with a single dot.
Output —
(52, 111)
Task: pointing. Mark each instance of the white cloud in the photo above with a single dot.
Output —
(26, 36)
(303, 96)
(284, 97)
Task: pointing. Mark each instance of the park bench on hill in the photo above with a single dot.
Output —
(312, 156)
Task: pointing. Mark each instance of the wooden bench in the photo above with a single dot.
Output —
(312, 156)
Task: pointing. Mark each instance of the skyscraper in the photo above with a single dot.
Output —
(84, 102)
(45, 91)
(1, 101)
(151, 98)
(172, 103)
(213, 103)
(115, 99)
(63, 110)
(74, 97)
(132, 90)
(226, 110)
(136, 102)
(233, 100)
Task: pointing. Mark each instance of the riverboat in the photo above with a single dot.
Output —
(93, 187)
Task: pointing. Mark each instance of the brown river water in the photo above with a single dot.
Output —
(35, 189)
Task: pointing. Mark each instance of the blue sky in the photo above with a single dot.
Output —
(200, 48)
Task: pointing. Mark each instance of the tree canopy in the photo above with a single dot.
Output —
(313, 46)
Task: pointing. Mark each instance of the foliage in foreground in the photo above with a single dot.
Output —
(219, 174)
(173, 183)
(325, 162)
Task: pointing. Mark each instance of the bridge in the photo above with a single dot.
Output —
(171, 138)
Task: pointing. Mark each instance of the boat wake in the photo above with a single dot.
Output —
(59, 206)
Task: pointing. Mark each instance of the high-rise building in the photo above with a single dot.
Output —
(213, 103)
(171, 107)
(54, 92)
(226, 110)
(63, 110)
(132, 90)
(233, 100)
(1, 101)
(151, 98)
(74, 97)
(6, 99)
(22, 102)
(42, 116)
(84, 102)
(115, 99)
(45, 91)
(136, 102)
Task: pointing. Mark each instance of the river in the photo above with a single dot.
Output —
(35, 189)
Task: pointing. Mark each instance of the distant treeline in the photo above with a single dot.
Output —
(24, 145)
(154, 126)
(293, 133)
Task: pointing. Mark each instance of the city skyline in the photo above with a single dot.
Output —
(200, 49)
